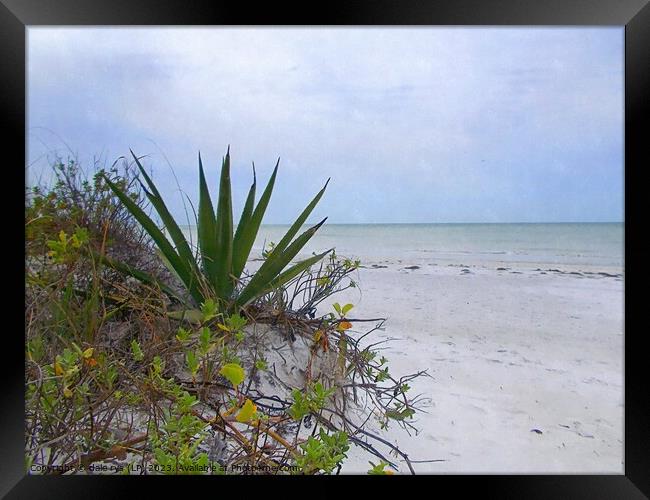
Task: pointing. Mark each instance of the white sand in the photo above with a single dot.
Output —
(508, 353)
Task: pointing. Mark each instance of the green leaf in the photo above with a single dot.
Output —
(239, 252)
(400, 415)
(295, 270)
(182, 334)
(223, 257)
(233, 372)
(209, 310)
(269, 271)
(300, 405)
(346, 309)
(245, 238)
(136, 351)
(190, 315)
(80, 237)
(139, 275)
(207, 230)
(236, 322)
(156, 234)
(175, 232)
(204, 339)
(192, 362)
(293, 230)
(168, 264)
(379, 469)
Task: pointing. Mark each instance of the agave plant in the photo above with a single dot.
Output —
(216, 272)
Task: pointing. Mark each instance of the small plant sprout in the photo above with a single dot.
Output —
(136, 351)
(182, 335)
(380, 469)
(205, 344)
(323, 453)
(233, 324)
(192, 363)
(261, 364)
(342, 310)
(342, 326)
(311, 401)
(209, 310)
(64, 248)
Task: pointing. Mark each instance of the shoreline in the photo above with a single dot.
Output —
(428, 265)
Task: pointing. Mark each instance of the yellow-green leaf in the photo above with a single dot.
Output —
(246, 413)
(233, 372)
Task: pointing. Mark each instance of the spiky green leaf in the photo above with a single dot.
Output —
(295, 270)
(295, 227)
(239, 242)
(249, 232)
(137, 274)
(223, 256)
(272, 267)
(207, 230)
(177, 236)
(156, 234)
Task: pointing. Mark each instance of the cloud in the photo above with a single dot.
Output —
(419, 125)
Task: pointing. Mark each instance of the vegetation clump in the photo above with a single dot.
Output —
(148, 356)
(216, 272)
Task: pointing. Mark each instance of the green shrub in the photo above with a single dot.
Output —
(217, 272)
(323, 453)
(77, 201)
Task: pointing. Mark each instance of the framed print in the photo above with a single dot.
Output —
(390, 240)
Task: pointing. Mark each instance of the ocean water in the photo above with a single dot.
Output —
(575, 244)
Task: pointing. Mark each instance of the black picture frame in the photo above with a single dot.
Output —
(17, 15)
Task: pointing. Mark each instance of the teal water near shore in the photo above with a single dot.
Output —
(576, 244)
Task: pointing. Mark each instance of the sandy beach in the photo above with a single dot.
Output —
(526, 360)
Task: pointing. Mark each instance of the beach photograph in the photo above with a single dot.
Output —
(324, 250)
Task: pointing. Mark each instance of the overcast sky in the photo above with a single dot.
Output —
(412, 125)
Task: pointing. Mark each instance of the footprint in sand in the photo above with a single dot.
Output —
(577, 428)
(594, 380)
(478, 409)
(555, 370)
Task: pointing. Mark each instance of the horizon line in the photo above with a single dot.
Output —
(433, 223)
